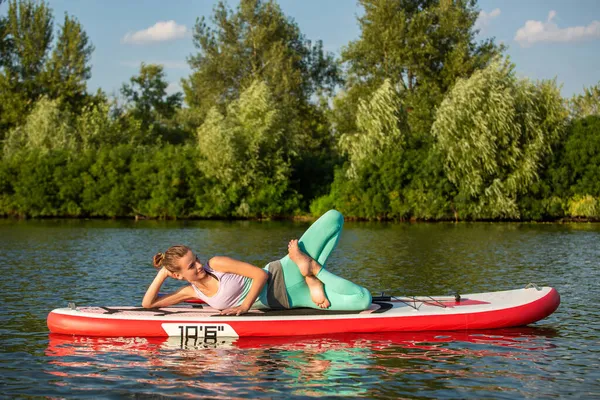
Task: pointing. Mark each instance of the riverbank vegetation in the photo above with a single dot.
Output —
(417, 119)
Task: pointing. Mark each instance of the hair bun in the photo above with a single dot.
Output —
(158, 259)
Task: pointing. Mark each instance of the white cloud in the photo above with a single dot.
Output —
(166, 64)
(484, 19)
(537, 31)
(162, 31)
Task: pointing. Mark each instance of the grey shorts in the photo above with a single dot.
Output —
(277, 297)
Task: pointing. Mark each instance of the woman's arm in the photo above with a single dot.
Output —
(150, 298)
(259, 279)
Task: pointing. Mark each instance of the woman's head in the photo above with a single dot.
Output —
(170, 258)
(181, 262)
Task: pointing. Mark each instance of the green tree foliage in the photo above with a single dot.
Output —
(386, 176)
(570, 184)
(28, 70)
(422, 46)
(26, 39)
(243, 153)
(379, 123)
(587, 103)
(51, 127)
(149, 103)
(258, 42)
(117, 181)
(94, 127)
(576, 168)
(46, 128)
(69, 67)
(584, 206)
(34, 189)
(108, 182)
(166, 181)
(260, 139)
(493, 132)
(36, 183)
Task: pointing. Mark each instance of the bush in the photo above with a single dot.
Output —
(584, 206)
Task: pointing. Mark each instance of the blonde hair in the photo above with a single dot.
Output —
(169, 258)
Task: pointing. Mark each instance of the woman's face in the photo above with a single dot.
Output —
(190, 267)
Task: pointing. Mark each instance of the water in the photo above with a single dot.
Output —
(46, 264)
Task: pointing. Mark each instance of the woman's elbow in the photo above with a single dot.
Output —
(264, 276)
(261, 277)
(146, 304)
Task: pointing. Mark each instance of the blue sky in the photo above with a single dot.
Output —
(545, 38)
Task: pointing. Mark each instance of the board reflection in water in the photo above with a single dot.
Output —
(330, 365)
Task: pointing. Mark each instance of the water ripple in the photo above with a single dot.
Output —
(49, 263)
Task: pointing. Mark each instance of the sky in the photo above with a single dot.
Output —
(546, 39)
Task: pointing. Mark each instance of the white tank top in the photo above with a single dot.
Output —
(232, 291)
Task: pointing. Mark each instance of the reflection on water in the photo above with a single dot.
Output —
(47, 264)
(314, 366)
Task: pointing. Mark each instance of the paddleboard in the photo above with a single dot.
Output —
(502, 309)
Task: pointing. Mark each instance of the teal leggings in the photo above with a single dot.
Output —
(318, 242)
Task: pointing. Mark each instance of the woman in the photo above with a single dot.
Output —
(297, 280)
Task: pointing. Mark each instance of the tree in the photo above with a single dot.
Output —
(68, 68)
(386, 175)
(258, 42)
(95, 127)
(493, 132)
(46, 128)
(163, 188)
(242, 154)
(380, 125)
(27, 72)
(150, 104)
(26, 38)
(586, 104)
(422, 46)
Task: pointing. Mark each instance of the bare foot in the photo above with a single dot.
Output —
(317, 294)
(309, 268)
(307, 265)
(302, 260)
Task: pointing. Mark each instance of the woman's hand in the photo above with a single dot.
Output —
(167, 273)
(239, 310)
(151, 299)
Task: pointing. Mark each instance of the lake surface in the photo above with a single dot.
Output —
(46, 264)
